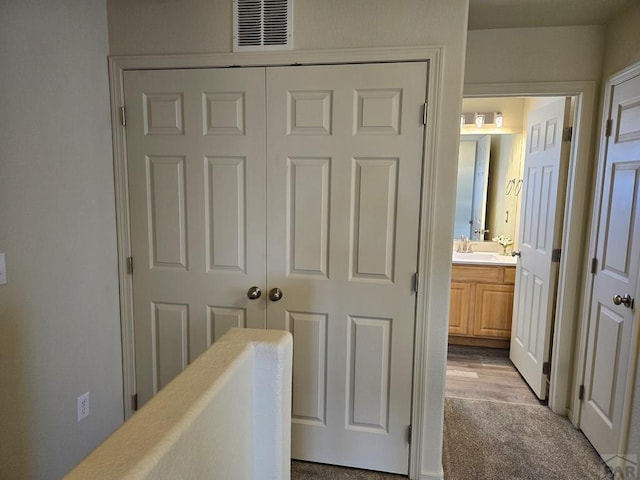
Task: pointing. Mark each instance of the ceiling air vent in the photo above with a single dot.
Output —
(262, 25)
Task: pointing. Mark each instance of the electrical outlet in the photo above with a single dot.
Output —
(83, 406)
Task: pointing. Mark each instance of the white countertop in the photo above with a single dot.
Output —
(483, 258)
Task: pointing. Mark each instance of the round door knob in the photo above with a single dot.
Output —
(625, 300)
(275, 294)
(254, 293)
(515, 253)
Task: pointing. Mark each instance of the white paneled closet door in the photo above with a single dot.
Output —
(344, 165)
(311, 192)
(196, 170)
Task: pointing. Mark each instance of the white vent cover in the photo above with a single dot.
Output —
(262, 25)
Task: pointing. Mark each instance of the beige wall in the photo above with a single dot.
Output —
(59, 318)
(622, 46)
(534, 54)
(204, 26)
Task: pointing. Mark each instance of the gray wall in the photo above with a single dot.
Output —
(59, 317)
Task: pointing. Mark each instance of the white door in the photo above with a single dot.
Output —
(611, 323)
(334, 179)
(545, 167)
(196, 169)
(480, 184)
(344, 167)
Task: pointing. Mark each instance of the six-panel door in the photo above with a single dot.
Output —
(313, 188)
(545, 167)
(609, 359)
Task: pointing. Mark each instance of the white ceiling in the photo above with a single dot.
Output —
(487, 14)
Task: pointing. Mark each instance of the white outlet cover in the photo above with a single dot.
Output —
(83, 406)
(3, 270)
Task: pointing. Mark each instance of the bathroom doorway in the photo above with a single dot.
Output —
(486, 278)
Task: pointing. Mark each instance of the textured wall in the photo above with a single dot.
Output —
(226, 416)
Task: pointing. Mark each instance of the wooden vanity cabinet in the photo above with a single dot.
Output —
(481, 305)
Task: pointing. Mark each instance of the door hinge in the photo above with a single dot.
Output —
(546, 368)
(415, 282)
(567, 134)
(130, 265)
(594, 265)
(409, 434)
(581, 393)
(608, 127)
(555, 255)
(134, 402)
(123, 116)
(424, 113)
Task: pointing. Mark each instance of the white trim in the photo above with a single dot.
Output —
(577, 202)
(616, 79)
(432, 476)
(426, 305)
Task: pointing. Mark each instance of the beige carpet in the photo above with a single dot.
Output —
(495, 440)
(488, 440)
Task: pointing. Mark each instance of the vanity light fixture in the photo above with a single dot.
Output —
(481, 119)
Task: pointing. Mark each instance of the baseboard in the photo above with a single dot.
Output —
(432, 475)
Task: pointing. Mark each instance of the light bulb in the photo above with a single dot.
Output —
(499, 120)
(479, 120)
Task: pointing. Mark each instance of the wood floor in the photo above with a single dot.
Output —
(485, 374)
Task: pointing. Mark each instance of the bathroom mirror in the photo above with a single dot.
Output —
(489, 185)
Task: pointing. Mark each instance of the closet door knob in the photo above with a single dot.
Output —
(625, 300)
(275, 294)
(254, 293)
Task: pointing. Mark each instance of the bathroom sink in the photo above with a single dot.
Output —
(486, 258)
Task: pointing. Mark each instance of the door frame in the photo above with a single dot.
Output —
(616, 79)
(428, 380)
(563, 382)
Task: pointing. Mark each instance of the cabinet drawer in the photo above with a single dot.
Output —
(476, 274)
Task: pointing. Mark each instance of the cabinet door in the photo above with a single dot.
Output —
(459, 309)
(493, 310)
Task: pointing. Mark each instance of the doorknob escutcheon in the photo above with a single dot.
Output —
(254, 293)
(275, 294)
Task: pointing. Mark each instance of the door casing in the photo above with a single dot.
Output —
(428, 304)
(563, 391)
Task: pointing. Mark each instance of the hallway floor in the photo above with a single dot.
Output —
(472, 372)
(485, 374)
